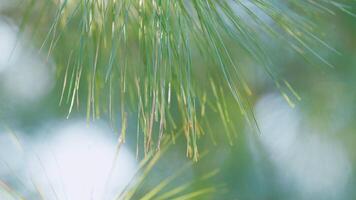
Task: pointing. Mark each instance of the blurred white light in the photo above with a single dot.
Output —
(316, 165)
(71, 160)
(78, 163)
(24, 74)
(7, 41)
(10, 146)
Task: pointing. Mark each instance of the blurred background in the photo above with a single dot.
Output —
(305, 152)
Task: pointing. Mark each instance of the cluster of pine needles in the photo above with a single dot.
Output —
(172, 64)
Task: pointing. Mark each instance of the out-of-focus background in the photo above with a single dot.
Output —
(305, 152)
